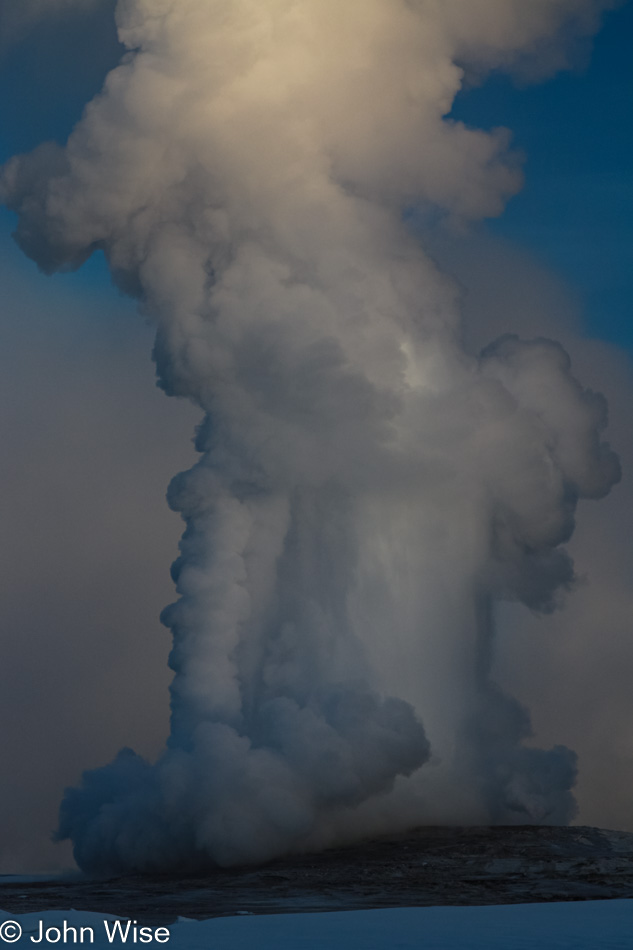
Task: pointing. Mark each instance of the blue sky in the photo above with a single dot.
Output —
(576, 210)
(46, 79)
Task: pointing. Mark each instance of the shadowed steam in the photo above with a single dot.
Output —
(366, 490)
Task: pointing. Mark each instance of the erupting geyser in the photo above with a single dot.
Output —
(366, 490)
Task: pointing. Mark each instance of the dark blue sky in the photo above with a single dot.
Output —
(575, 212)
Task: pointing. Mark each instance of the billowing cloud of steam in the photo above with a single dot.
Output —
(365, 491)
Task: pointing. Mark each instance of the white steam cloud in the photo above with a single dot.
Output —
(365, 491)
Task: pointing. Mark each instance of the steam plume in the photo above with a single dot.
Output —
(366, 490)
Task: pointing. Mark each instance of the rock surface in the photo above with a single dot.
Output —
(428, 866)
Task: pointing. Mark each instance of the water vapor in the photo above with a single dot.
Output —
(366, 491)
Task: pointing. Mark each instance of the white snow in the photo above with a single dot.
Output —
(590, 925)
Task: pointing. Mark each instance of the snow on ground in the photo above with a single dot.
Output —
(590, 925)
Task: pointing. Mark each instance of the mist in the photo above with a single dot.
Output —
(369, 490)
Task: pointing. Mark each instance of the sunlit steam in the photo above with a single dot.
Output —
(366, 491)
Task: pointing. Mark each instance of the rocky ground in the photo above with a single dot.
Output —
(424, 867)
